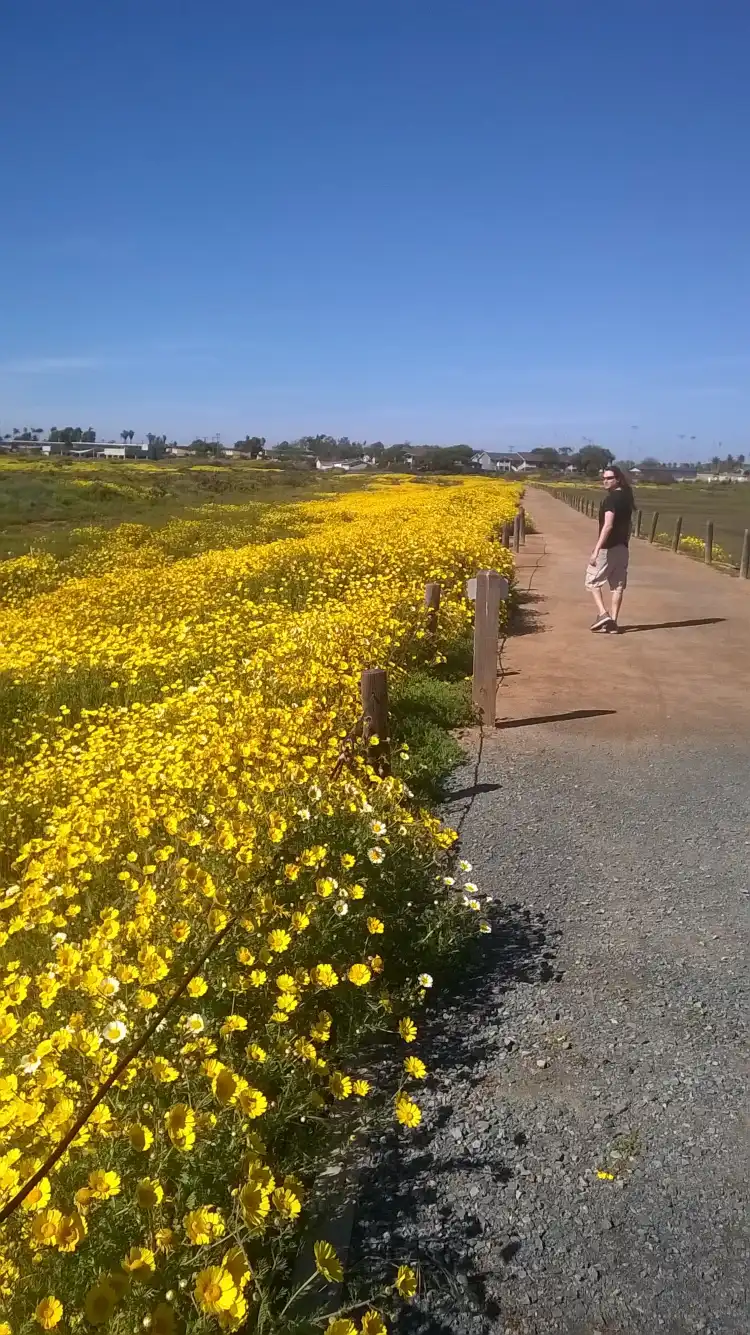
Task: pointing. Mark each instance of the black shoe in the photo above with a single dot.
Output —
(612, 628)
(601, 622)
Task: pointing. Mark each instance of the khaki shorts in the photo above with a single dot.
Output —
(611, 567)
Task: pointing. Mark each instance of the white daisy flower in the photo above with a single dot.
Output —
(378, 827)
(464, 865)
(303, 813)
(449, 880)
(30, 1064)
(108, 987)
(471, 888)
(59, 937)
(195, 1023)
(376, 855)
(314, 792)
(425, 980)
(485, 928)
(474, 905)
(115, 1031)
(341, 908)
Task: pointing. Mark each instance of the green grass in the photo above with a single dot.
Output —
(727, 504)
(43, 500)
(426, 706)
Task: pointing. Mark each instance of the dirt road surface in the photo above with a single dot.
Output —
(583, 1161)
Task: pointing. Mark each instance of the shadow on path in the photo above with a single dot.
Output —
(672, 625)
(400, 1212)
(552, 718)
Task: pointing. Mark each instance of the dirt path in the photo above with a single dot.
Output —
(604, 1030)
(683, 663)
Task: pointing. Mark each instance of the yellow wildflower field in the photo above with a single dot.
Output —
(186, 858)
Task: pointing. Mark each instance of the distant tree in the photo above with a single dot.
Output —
(394, 456)
(547, 457)
(741, 460)
(565, 451)
(88, 437)
(251, 445)
(627, 465)
(592, 459)
(293, 451)
(649, 462)
(124, 437)
(716, 463)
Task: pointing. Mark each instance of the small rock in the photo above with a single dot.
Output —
(542, 1063)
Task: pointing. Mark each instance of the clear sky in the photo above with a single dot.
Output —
(506, 222)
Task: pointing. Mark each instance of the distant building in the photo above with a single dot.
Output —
(110, 452)
(490, 461)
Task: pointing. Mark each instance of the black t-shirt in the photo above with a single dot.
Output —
(622, 507)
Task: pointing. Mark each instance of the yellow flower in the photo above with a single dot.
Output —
(139, 1262)
(162, 1070)
(72, 1230)
(279, 941)
(203, 1225)
(45, 1228)
(99, 1303)
(376, 855)
(604, 1176)
(236, 1263)
(376, 963)
(48, 1313)
(38, 1197)
(324, 975)
(340, 1325)
(118, 1282)
(407, 1029)
(149, 1193)
(140, 1137)
(255, 1053)
(413, 1066)
(375, 927)
(407, 1112)
(255, 1204)
(252, 1102)
(373, 1324)
(357, 892)
(287, 1204)
(340, 1085)
(233, 1024)
(102, 1184)
(258, 977)
(359, 974)
(165, 1239)
(406, 1281)
(197, 987)
(361, 1088)
(180, 1124)
(215, 1290)
(327, 1262)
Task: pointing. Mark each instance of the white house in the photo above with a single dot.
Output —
(490, 462)
(111, 452)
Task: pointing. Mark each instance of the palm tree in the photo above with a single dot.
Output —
(124, 437)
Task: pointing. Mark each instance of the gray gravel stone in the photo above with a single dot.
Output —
(635, 1064)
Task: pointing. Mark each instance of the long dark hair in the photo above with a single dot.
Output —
(623, 481)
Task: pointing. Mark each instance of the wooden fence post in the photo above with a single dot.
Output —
(490, 589)
(432, 604)
(374, 692)
(654, 526)
(522, 525)
(638, 517)
(709, 553)
(505, 535)
(745, 558)
(676, 536)
(517, 533)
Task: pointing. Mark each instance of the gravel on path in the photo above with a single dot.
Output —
(582, 1164)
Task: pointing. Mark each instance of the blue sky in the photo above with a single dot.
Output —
(507, 222)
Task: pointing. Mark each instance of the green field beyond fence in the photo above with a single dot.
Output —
(727, 506)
